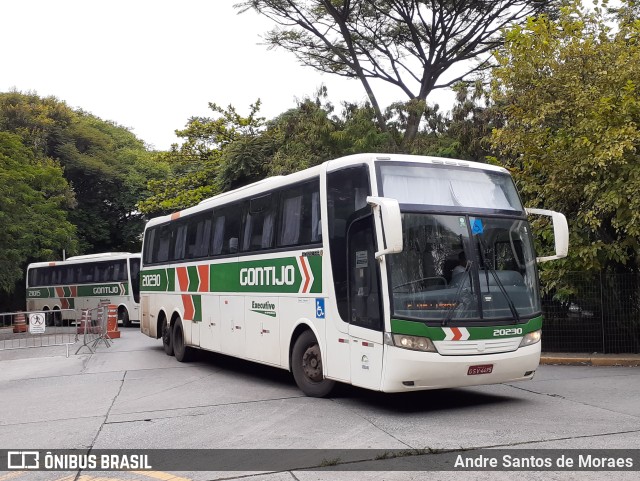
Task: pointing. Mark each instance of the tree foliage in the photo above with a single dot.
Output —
(34, 201)
(569, 90)
(218, 153)
(408, 44)
(106, 165)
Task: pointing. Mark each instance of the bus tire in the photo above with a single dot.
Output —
(167, 339)
(57, 317)
(48, 316)
(306, 365)
(182, 352)
(123, 316)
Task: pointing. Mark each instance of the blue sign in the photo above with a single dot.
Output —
(476, 226)
(319, 308)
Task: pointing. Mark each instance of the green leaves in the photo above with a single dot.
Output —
(34, 197)
(569, 92)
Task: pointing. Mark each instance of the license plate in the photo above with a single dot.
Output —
(482, 369)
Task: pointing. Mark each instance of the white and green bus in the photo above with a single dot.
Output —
(84, 282)
(390, 272)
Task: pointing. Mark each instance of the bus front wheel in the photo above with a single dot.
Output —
(167, 340)
(306, 365)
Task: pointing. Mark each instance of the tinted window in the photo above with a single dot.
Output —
(259, 224)
(198, 236)
(226, 230)
(300, 215)
(149, 245)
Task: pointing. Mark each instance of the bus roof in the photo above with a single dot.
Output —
(330, 165)
(85, 258)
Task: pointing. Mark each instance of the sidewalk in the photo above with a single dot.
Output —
(594, 359)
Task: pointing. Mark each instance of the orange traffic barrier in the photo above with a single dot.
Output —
(19, 322)
(112, 322)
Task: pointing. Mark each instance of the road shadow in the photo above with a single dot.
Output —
(407, 403)
(421, 401)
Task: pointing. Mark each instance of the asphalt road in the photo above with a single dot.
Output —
(132, 395)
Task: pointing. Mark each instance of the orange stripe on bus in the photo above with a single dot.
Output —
(189, 310)
(183, 278)
(175, 215)
(203, 272)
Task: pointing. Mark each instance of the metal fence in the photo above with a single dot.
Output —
(23, 330)
(601, 315)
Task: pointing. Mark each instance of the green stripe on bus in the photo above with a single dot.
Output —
(197, 308)
(99, 290)
(91, 290)
(194, 280)
(416, 328)
(278, 275)
(38, 293)
(171, 279)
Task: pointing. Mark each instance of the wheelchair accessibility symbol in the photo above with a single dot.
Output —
(319, 308)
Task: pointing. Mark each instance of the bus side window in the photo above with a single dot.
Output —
(198, 235)
(226, 229)
(259, 224)
(149, 245)
(299, 215)
(162, 244)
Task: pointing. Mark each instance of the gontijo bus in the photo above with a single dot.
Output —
(83, 282)
(389, 272)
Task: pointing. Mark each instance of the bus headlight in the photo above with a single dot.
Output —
(531, 338)
(415, 343)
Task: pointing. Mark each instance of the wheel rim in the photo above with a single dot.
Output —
(312, 363)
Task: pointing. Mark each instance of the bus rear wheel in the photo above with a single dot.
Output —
(123, 315)
(306, 365)
(167, 339)
(182, 352)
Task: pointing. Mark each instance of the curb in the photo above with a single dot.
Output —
(591, 359)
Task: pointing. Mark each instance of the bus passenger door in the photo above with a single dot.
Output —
(365, 306)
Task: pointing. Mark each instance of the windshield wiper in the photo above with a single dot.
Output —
(456, 299)
(490, 268)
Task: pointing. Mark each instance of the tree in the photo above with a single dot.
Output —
(409, 44)
(34, 199)
(199, 168)
(107, 167)
(569, 91)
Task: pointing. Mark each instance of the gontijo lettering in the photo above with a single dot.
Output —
(267, 276)
(106, 290)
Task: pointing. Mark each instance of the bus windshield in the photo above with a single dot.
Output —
(445, 186)
(462, 267)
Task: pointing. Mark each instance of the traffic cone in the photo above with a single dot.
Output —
(112, 322)
(19, 322)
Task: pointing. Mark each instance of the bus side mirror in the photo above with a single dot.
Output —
(560, 233)
(391, 221)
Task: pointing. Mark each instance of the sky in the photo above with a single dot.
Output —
(150, 65)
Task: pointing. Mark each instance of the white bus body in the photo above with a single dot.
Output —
(84, 282)
(310, 273)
